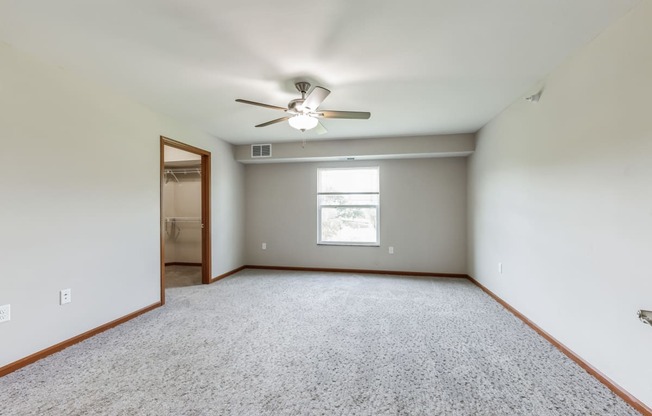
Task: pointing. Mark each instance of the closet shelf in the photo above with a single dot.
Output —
(182, 219)
(183, 170)
(179, 171)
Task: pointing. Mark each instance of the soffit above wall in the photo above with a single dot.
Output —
(454, 145)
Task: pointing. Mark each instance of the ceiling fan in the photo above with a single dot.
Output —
(304, 113)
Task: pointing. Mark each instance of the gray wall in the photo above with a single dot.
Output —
(422, 215)
(561, 194)
(79, 174)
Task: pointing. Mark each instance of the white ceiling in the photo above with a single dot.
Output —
(419, 66)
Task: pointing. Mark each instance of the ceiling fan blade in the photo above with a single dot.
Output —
(320, 129)
(362, 115)
(316, 97)
(278, 120)
(273, 107)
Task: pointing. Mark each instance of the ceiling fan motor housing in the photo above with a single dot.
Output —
(303, 87)
(296, 106)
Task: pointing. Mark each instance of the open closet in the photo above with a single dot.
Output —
(182, 212)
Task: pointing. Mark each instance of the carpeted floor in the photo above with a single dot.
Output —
(290, 343)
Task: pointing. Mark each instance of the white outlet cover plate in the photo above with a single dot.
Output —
(5, 313)
(65, 296)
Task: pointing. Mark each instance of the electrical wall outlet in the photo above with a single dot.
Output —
(391, 250)
(65, 296)
(5, 313)
(500, 268)
(264, 246)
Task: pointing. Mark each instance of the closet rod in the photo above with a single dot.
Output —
(184, 171)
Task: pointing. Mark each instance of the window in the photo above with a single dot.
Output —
(348, 203)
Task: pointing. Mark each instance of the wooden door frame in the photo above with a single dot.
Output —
(205, 208)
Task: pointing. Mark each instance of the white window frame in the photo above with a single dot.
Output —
(376, 206)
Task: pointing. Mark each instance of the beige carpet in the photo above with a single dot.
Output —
(290, 343)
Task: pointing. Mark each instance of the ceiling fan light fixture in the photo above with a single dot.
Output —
(303, 122)
(303, 113)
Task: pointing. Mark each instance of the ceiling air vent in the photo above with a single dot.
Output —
(261, 150)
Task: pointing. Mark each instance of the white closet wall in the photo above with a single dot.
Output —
(182, 207)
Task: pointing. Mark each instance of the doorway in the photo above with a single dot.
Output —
(185, 215)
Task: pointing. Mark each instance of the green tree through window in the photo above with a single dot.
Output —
(348, 204)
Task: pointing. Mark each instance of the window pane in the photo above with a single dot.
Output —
(347, 199)
(348, 180)
(346, 224)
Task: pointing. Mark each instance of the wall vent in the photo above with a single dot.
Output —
(261, 150)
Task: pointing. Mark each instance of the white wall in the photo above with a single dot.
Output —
(422, 214)
(560, 192)
(79, 183)
(182, 198)
(183, 238)
(172, 154)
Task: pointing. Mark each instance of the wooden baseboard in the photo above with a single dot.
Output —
(182, 263)
(10, 368)
(361, 271)
(622, 393)
(227, 274)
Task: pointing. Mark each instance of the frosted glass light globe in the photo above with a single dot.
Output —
(303, 122)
